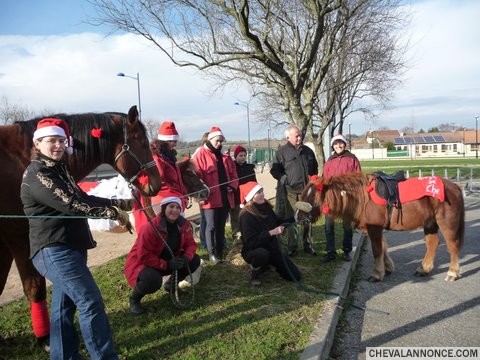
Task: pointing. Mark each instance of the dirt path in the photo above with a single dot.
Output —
(109, 246)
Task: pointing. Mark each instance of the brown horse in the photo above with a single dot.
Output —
(350, 197)
(113, 138)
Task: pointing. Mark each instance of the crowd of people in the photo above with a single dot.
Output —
(164, 252)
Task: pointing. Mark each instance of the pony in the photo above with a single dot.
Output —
(114, 138)
(351, 197)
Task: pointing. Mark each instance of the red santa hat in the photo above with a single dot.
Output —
(214, 131)
(54, 127)
(238, 149)
(338, 137)
(167, 131)
(248, 191)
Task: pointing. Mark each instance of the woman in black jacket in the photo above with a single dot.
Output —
(59, 240)
(260, 226)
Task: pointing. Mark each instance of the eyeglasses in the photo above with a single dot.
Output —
(54, 141)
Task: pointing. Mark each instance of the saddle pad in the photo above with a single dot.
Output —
(413, 189)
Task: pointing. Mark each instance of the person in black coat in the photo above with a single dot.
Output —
(259, 226)
(59, 239)
(245, 173)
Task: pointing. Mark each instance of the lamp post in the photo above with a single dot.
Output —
(463, 142)
(476, 137)
(246, 105)
(137, 78)
(350, 135)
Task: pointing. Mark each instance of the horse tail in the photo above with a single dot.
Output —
(461, 221)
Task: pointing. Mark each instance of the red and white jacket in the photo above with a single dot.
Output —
(206, 163)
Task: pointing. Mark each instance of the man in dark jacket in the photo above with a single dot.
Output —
(292, 168)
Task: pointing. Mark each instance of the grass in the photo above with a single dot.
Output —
(229, 319)
(453, 167)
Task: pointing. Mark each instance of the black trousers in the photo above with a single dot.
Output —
(150, 280)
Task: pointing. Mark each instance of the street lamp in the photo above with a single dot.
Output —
(245, 105)
(476, 137)
(268, 142)
(121, 74)
(350, 135)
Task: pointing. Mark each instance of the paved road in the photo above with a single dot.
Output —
(415, 311)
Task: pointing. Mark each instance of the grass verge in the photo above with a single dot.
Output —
(229, 319)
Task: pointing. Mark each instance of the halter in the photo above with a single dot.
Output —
(126, 150)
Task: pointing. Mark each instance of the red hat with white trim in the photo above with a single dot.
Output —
(167, 132)
(214, 131)
(248, 191)
(338, 137)
(171, 199)
(54, 127)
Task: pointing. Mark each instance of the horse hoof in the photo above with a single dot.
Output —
(373, 279)
(451, 276)
(387, 272)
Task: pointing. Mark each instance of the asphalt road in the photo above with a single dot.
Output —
(409, 311)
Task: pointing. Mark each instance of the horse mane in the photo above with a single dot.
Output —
(80, 126)
(343, 196)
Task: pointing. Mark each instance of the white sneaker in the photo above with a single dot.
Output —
(193, 279)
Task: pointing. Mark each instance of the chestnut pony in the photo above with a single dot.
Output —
(113, 138)
(348, 197)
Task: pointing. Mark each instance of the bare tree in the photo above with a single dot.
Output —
(293, 54)
(9, 113)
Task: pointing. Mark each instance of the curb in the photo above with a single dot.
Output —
(321, 339)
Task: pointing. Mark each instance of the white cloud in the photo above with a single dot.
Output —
(77, 73)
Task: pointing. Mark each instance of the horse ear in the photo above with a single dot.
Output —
(132, 114)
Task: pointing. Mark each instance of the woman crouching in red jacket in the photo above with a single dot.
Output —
(160, 251)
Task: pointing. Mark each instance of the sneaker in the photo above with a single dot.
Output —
(347, 257)
(213, 259)
(255, 278)
(327, 258)
(309, 249)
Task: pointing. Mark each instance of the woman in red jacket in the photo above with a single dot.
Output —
(164, 154)
(218, 172)
(154, 256)
(341, 162)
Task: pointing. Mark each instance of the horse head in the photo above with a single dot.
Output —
(314, 195)
(133, 158)
(195, 186)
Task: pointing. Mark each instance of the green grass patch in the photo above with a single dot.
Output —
(447, 167)
(230, 319)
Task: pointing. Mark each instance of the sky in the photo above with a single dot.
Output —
(52, 60)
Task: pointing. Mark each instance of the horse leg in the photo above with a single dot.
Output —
(6, 260)
(34, 286)
(453, 245)
(389, 266)
(431, 242)
(375, 234)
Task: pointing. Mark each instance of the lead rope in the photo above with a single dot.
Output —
(311, 289)
(174, 290)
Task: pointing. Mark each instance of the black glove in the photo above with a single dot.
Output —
(177, 263)
(124, 204)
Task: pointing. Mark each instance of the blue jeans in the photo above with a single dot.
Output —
(330, 235)
(74, 287)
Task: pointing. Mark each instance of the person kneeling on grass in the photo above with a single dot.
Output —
(259, 226)
(162, 247)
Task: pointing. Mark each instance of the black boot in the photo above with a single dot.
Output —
(135, 306)
(255, 276)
